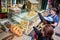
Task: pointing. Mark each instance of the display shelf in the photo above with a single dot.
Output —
(24, 16)
(16, 19)
(21, 15)
(35, 19)
(29, 30)
(30, 18)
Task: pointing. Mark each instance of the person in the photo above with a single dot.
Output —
(58, 9)
(44, 34)
(47, 20)
(54, 16)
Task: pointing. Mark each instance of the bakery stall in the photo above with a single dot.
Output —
(19, 24)
(18, 27)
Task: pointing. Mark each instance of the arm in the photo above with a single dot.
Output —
(56, 22)
(41, 17)
(37, 31)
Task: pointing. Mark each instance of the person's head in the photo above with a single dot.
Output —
(53, 11)
(47, 31)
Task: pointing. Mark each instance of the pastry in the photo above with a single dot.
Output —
(16, 30)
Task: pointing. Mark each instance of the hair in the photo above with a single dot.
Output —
(54, 9)
(44, 22)
(48, 31)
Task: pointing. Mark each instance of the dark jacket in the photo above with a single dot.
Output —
(39, 34)
(42, 18)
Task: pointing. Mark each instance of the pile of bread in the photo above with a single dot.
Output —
(31, 14)
(14, 29)
(15, 9)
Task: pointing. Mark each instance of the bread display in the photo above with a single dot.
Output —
(31, 14)
(24, 23)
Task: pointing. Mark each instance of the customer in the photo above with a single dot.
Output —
(44, 34)
(47, 20)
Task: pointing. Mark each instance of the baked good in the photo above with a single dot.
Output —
(16, 30)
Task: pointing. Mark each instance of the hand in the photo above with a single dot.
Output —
(55, 24)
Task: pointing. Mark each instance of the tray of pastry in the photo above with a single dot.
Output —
(31, 15)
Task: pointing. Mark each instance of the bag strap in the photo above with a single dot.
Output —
(54, 18)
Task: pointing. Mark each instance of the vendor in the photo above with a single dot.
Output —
(52, 15)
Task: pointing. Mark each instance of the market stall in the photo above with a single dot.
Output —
(20, 24)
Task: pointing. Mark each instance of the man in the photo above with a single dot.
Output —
(54, 16)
